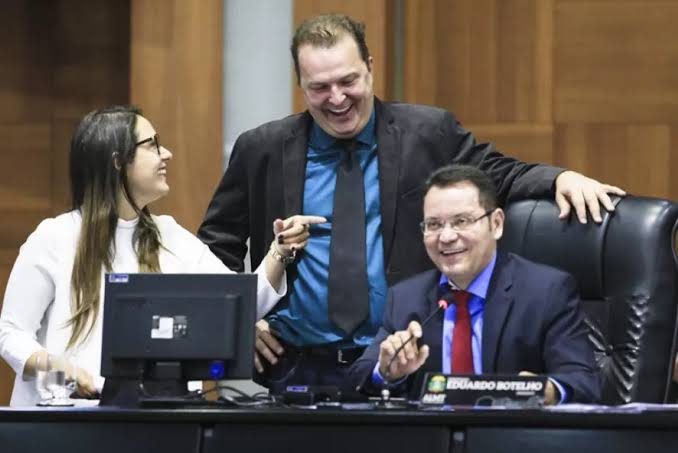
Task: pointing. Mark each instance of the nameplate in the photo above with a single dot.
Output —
(509, 391)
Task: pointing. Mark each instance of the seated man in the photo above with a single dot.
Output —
(509, 315)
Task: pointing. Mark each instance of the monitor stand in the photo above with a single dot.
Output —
(134, 393)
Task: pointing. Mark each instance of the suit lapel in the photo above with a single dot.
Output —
(295, 147)
(433, 332)
(389, 155)
(497, 309)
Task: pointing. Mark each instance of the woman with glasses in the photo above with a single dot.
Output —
(53, 301)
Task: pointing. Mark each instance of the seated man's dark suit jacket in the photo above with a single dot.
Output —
(532, 322)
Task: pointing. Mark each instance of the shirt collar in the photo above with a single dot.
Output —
(478, 286)
(322, 140)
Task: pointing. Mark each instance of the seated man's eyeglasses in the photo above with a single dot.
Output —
(458, 223)
(155, 140)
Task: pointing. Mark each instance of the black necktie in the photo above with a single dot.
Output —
(347, 286)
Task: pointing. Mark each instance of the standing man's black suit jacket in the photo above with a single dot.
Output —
(532, 322)
(266, 172)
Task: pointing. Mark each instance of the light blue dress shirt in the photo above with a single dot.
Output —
(476, 307)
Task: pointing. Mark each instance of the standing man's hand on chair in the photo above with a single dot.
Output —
(581, 192)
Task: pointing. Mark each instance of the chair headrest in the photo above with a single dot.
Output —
(635, 242)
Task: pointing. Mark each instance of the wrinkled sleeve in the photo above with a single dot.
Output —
(225, 228)
(514, 179)
(30, 291)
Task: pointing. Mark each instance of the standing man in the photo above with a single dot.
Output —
(360, 163)
(508, 316)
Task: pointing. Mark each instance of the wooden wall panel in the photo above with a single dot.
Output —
(26, 58)
(25, 152)
(378, 18)
(616, 92)
(26, 180)
(489, 62)
(588, 84)
(543, 55)
(62, 132)
(616, 61)
(420, 71)
(524, 141)
(176, 78)
(92, 63)
(90, 71)
(637, 157)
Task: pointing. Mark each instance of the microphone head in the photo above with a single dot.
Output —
(445, 301)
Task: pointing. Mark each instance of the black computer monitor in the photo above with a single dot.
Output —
(178, 327)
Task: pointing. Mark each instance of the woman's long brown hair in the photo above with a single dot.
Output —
(103, 144)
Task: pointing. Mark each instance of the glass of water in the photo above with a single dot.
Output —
(55, 380)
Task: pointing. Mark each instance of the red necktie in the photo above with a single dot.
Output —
(462, 355)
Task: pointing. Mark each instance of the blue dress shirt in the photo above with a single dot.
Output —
(304, 320)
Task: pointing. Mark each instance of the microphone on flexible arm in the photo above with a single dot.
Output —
(442, 305)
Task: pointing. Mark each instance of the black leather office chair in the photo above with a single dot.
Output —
(627, 272)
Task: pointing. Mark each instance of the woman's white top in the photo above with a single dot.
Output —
(37, 302)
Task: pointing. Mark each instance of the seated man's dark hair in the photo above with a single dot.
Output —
(454, 174)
